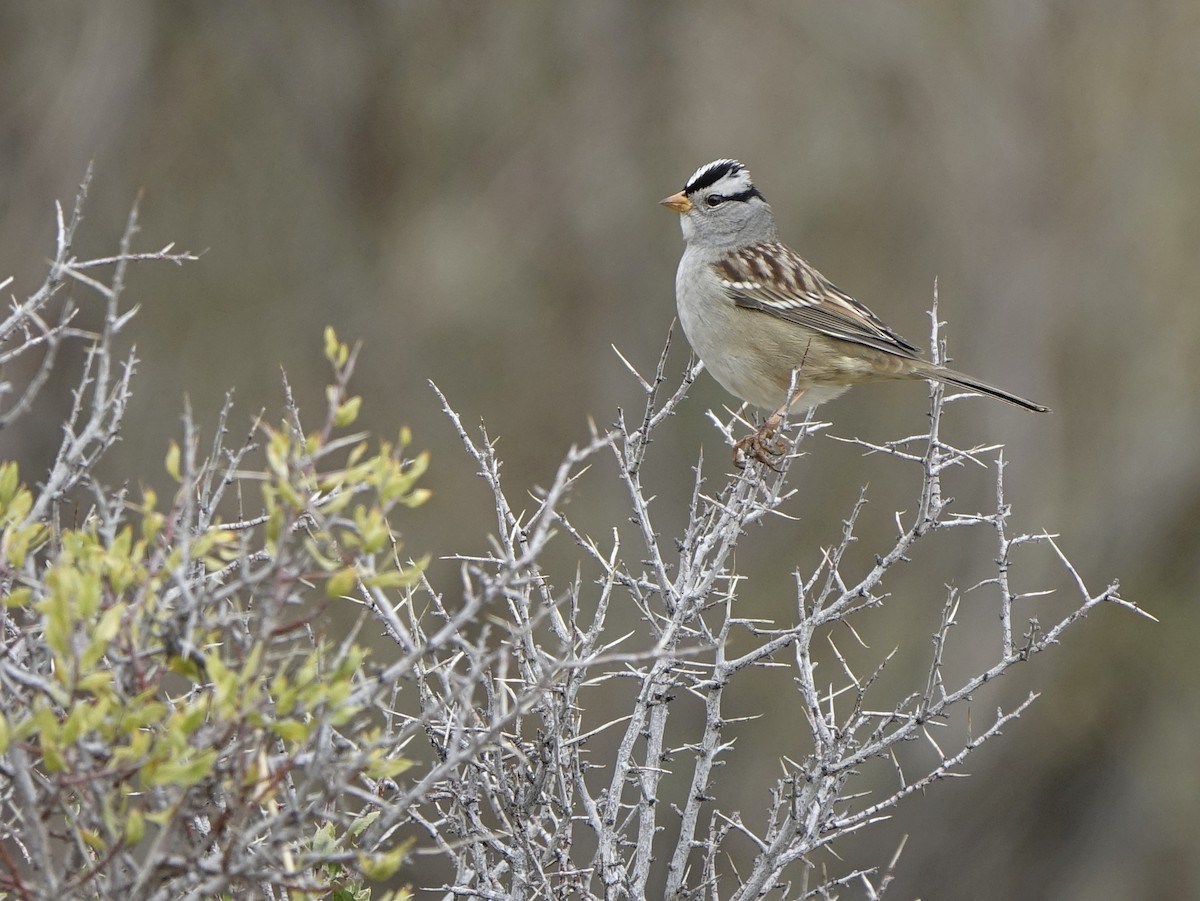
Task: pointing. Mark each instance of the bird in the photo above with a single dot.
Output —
(772, 330)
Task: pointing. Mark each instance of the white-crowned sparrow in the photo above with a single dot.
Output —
(755, 312)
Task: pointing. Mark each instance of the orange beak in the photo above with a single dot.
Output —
(677, 202)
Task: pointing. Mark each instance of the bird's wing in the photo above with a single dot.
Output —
(772, 278)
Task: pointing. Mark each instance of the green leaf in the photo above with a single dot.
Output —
(190, 718)
(400, 578)
(360, 824)
(9, 482)
(152, 524)
(142, 713)
(292, 730)
(96, 683)
(225, 683)
(388, 767)
(183, 772)
(341, 583)
(331, 344)
(75, 724)
(289, 495)
(135, 826)
(173, 456)
(379, 867)
(102, 636)
(56, 610)
(18, 508)
(417, 497)
(347, 412)
(52, 757)
(18, 597)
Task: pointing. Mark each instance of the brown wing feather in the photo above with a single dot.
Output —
(772, 278)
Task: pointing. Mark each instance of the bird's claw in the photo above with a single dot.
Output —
(763, 446)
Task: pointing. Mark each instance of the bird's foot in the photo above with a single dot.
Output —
(764, 446)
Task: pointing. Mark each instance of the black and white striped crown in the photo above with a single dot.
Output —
(711, 173)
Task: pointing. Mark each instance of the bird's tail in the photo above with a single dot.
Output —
(962, 380)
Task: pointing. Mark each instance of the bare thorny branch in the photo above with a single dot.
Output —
(686, 591)
(99, 399)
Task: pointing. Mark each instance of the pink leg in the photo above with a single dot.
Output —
(764, 445)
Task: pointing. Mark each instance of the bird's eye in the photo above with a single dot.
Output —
(715, 199)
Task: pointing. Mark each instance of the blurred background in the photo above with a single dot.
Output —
(472, 190)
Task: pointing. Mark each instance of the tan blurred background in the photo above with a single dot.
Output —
(471, 189)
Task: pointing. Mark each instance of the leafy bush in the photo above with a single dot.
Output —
(175, 721)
